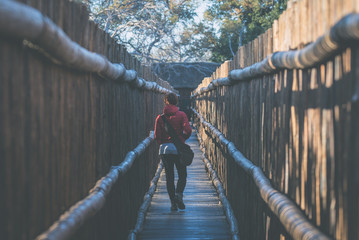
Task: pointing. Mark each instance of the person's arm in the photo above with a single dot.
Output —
(187, 130)
(158, 131)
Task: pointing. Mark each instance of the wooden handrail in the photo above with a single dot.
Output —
(231, 218)
(146, 204)
(71, 220)
(21, 21)
(291, 217)
(339, 36)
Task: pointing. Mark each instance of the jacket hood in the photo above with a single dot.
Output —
(170, 110)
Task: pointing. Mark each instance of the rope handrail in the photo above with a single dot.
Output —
(341, 34)
(21, 21)
(289, 214)
(71, 220)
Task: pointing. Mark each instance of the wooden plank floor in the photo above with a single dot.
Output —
(203, 217)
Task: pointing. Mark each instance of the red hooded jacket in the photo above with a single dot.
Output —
(178, 121)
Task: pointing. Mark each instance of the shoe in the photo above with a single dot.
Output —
(179, 201)
(173, 206)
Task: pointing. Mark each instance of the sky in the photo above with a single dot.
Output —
(202, 6)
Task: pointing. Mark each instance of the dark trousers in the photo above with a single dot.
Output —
(169, 160)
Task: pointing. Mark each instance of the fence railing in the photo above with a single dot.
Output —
(231, 219)
(146, 204)
(340, 36)
(70, 110)
(28, 23)
(293, 114)
(296, 224)
(72, 220)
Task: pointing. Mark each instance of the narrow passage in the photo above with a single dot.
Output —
(203, 217)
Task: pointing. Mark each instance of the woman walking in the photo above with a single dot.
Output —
(168, 152)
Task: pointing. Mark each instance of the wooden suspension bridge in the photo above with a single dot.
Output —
(276, 134)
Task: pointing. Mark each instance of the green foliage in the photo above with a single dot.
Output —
(241, 21)
(165, 30)
(149, 28)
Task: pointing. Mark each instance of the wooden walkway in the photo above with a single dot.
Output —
(203, 217)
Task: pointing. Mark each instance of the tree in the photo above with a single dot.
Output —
(165, 31)
(240, 22)
(151, 29)
(198, 41)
